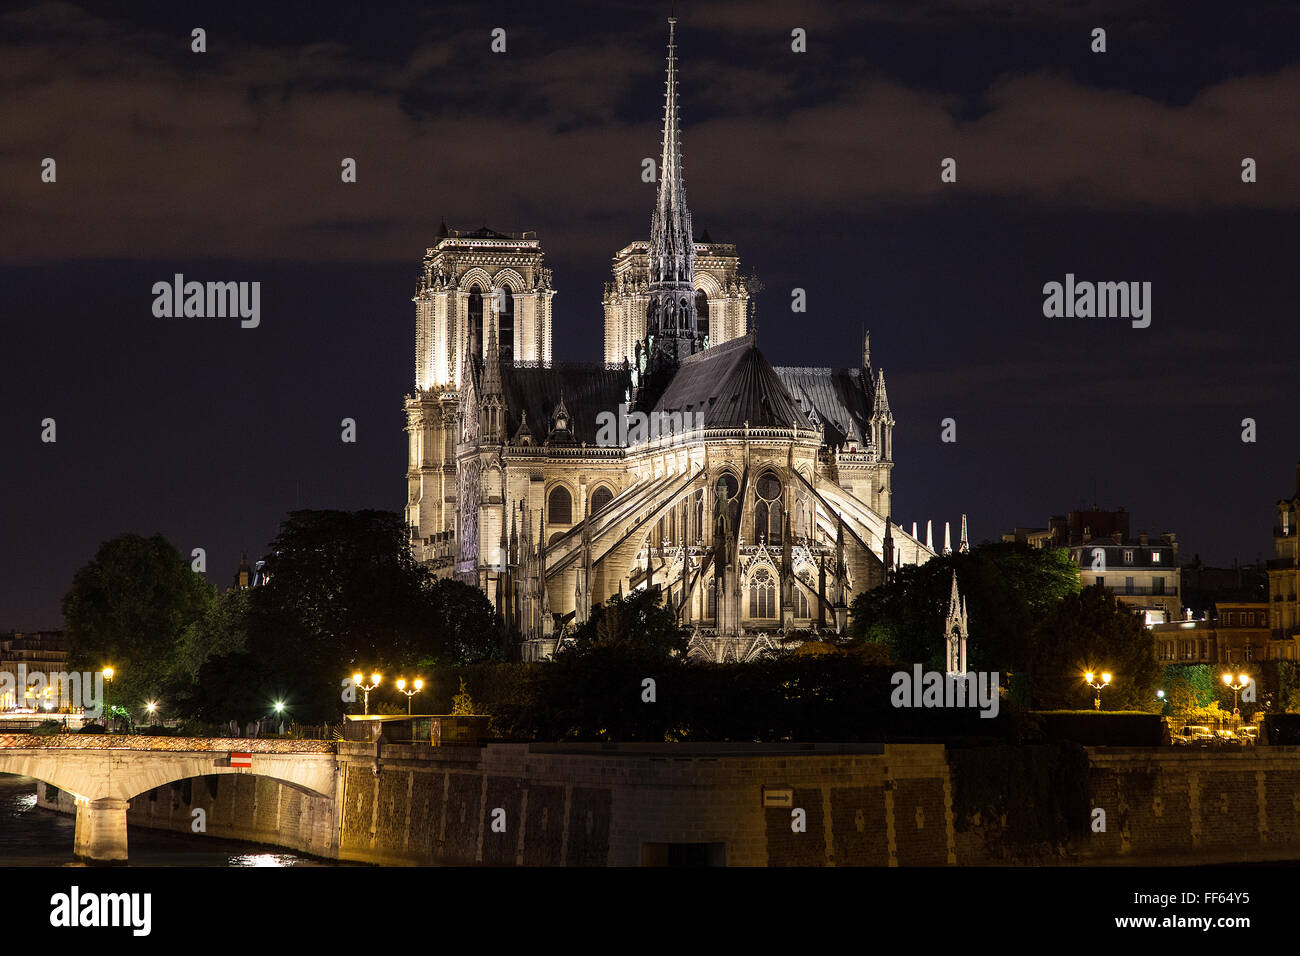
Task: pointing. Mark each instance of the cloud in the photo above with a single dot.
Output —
(163, 154)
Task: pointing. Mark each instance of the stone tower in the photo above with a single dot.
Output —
(475, 287)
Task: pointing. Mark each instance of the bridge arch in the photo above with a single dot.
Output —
(103, 779)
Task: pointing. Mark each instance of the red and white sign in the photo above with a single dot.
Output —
(242, 760)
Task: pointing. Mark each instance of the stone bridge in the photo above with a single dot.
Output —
(103, 772)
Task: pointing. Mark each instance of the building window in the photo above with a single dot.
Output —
(767, 512)
(1128, 557)
(475, 330)
(731, 488)
(702, 313)
(801, 603)
(600, 498)
(506, 325)
(713, 600)
(1128, 585)
(762, 594)
(1157, 585)
(1155, 557)
(559, 506)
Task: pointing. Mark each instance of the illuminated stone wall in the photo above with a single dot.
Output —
(640, 803)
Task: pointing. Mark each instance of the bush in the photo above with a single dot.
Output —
(1282, 729)
(1093, 728)
(92, 729)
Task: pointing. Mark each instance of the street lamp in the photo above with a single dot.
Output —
(108, 711)
(152, 709)
(401, 685)
(1242, 682)
(1105, 682)
(366, 688)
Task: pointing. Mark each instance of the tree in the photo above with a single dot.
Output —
(462, 705)
(638, 619)
(1188, 687)
(129, 608)
(470, 633)
(343, 592)
(1092, 631)
(1008, 588)
(223, 629)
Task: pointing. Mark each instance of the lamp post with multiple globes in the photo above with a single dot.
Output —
(416, 687)
(1089, 679)
(357, 679)
(1241, 683)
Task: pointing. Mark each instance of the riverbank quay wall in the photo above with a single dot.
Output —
(516, 804)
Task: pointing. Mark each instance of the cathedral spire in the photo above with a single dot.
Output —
(670, 315)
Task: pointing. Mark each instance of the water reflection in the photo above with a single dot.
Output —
(32, 836)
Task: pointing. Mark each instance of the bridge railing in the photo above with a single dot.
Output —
(263, 745)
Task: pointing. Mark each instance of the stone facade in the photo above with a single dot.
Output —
(1284, 568)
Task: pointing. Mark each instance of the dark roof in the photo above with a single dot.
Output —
(731, 384)
(839, 396)
(589, 389)
(483, 232)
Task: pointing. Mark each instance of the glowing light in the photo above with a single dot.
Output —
(1105, 678)
(418, 683)
(108, 673)
(358, 679)
(401, 683)
(375, 677)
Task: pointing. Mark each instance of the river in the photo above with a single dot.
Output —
(32, 836)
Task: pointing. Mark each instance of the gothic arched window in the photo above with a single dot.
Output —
(800, 603)
(475, 330)
(702, 313)
(506, 325)
(767, 510)
(713, 600)
(732, 488)
(600, 498)
(559, 506)
(762, 594)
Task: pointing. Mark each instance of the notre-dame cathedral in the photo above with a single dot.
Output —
(758, 500)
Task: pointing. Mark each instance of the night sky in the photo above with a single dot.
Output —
(823, 167)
